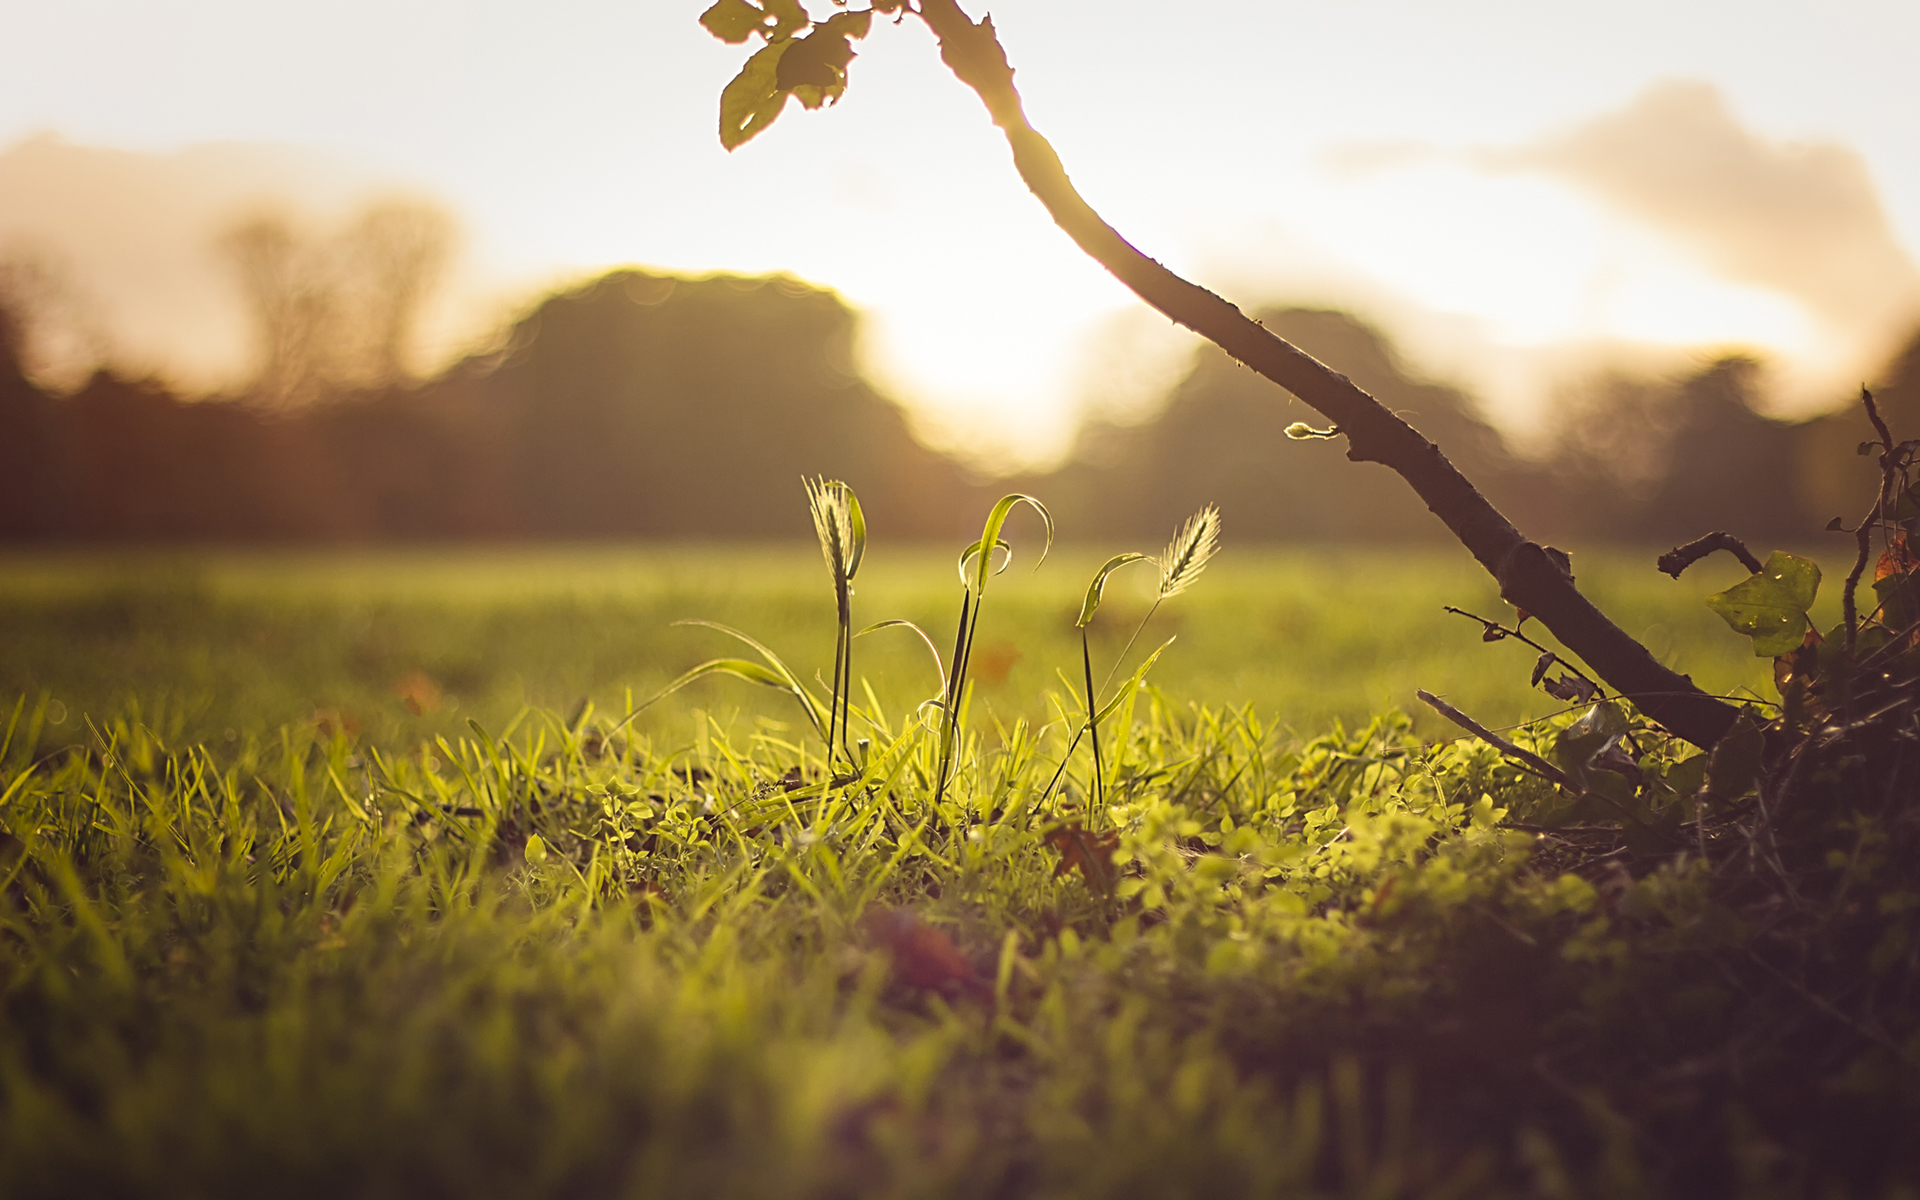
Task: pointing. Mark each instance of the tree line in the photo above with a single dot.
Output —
(643, 405)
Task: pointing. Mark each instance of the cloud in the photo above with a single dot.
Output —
(1799, 218)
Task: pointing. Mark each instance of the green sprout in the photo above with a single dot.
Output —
(842, 529)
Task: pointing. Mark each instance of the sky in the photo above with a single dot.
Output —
(1517, 192)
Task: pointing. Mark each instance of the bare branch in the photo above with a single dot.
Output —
(1678, 559)
(1540, 765)
(1863, 536)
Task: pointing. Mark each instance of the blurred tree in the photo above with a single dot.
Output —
(1833, 477)
(1612, 433)
(1220, 438)
(287, 298)
(1730, 466)
(28, 477)
(644, 404)
(337, 313)
(395, 254)
(1661, 461)
(57, 339)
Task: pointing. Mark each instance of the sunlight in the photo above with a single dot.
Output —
(1538, 263)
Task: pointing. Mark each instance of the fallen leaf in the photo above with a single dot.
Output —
(924, 957)
(992, 664)
(1091, 853)
(418, 692)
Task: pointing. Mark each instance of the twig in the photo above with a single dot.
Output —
(1893, 645)
(1516, 635)
(1864, 534)
(1540, 765)
(1680, 558)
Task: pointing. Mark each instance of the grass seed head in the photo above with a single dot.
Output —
(1187, 554)
(840, 525)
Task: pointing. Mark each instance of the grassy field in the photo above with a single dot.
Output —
(211, 646)
(266, 929)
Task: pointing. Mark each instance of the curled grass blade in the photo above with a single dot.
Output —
(775, 675)
(990, 535)
(1097, 589)
(972, 552)
(899, 623)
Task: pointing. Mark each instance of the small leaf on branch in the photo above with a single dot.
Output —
(1771, 607)
(733, 21)
(1837, 526)
(1613, 756)
(1570, 688)
(855, 25)
(1867, 448)
(1800, 665)
(751, 102)
(1576, 745)
(788, 18)
(1492, 633)
(1540, 666)
(817, 61)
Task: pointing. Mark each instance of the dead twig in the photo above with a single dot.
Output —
(1494, 631)
(1678, 559)
(1539, 765)
(1863, 536)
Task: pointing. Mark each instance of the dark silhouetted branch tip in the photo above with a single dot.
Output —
(1678, 559)
(1884, 501)
(1546, 769)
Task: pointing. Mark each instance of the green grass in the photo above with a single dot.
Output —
(211, 643)
(1291, 955)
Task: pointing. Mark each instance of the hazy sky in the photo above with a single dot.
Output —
(1511, 186)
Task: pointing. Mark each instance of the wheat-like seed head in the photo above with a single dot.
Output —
(832, 503)
(1187, 554)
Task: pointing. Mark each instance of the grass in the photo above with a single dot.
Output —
(551, 954)
(208, 643)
